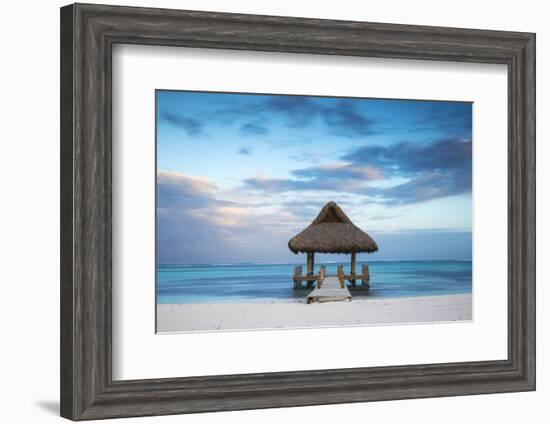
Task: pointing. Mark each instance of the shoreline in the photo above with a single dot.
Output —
(270, 300)
(172, 318)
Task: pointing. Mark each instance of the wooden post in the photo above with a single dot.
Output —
(366, 275)
(309, 271)
(297, 276)
(340, 273)
(352, 267)
(322, 275)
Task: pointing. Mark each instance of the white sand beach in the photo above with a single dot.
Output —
(298, 314)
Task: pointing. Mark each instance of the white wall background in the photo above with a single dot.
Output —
(29, 215)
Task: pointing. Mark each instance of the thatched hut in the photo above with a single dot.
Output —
(332, 232)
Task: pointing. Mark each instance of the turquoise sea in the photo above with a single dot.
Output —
(239, 283)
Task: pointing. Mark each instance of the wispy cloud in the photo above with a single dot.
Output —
(340, 171)
(427, 186)
(245, 151)
(191, 208)
(410, 158)
(440, 169)
(177, 189)
(191, 126)
(338, 117)
(275, 184)
(344, 120)
(298, 111)
(252, 128)
(449, 120)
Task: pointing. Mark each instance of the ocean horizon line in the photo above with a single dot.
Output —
(301, 263)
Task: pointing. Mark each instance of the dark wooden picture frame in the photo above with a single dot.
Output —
(88, 33)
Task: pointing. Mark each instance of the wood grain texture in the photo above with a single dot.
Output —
(88, 33)
(66, 215)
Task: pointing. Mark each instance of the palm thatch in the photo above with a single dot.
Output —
(332, 232)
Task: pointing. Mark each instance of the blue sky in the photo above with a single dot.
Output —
(239, 174)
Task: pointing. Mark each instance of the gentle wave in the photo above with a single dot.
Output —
(236, 283)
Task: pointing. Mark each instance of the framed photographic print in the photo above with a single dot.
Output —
(291, 211)
(225, 256)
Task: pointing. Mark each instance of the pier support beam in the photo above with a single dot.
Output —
(310, 267)
(366, 275)
(352, 267)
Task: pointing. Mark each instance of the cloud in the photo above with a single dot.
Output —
(384, 217)
(274, 184)
(298, 111)
(191, 126)
(344, 120)
(424, 172)
(307, 157)
(409, 158)
(328, 177)
(339, 118)
(282, 185)
(453, 118)
(189, 209)
(251, 128)
(195, 223)
(255, 115)
(245, 151)
(427, 186)
(439, 169)
(176, 189)
(340, 171)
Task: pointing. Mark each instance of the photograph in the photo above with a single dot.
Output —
(282, 211)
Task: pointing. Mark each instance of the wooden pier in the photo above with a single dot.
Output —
(330, 290)
(352, 277)
(310, 278)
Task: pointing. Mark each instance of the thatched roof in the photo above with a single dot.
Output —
(332, 232)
